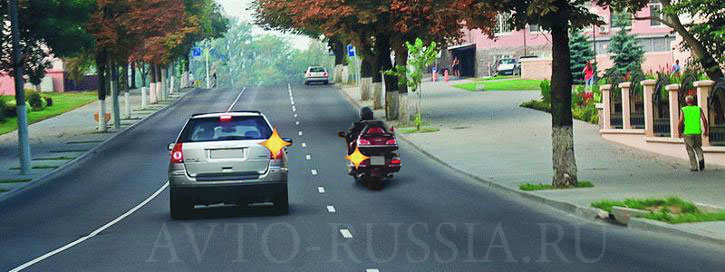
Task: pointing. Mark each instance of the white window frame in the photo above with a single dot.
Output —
(502, 23)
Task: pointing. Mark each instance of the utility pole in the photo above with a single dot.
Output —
(17, 59)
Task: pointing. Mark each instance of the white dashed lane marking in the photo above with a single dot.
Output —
(308, 157)
(304, 144)
(331, 209)
(297, 123)
(346, 233)
(372, 270)
(321, 190)
(299, 133)
(295, 115)
(314, 172)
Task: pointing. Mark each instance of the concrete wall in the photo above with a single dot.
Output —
(53, 81)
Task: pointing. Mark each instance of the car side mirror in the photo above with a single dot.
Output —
(342, 134)
(171, 146)
(289, 140)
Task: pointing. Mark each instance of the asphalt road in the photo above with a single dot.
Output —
(427, 219)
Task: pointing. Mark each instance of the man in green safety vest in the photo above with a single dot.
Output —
(693, 119)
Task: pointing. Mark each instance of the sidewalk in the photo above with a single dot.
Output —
(487, 135)
(61, 139)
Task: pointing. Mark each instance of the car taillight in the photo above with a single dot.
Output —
(279, 155)
(362, 141)
(177, 155)
(324, 74)
(225, 118)
(395, 160)
(391, 142)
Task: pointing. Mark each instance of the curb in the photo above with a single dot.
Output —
(585, 212)
(43, 178)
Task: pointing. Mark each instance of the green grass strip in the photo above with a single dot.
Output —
(39, 167)
(8, 181)
(422, 130)
(504, 85)
(62, 103)
(4, 190)
(689, 213)
(541, 186)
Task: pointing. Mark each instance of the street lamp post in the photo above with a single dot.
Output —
(23, 144)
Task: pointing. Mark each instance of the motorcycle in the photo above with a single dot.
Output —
(379, 144)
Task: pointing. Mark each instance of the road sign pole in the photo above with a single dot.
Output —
(206, 52)
(23, 143)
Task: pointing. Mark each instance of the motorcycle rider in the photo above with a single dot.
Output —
(366, 114)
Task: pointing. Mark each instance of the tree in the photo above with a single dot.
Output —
(581, 52)
(703, 37)
(47, 28)
(627, 54)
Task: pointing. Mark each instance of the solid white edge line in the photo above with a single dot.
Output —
(331, 209)
(237, 99)
(346, 233)
(321, 189)
(94, 233)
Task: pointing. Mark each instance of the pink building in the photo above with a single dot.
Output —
(657, 40)
(54, 80)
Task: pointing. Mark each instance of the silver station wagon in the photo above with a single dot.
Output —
(217, 158)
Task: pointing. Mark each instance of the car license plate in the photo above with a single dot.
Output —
(377, 160)
(235, 153)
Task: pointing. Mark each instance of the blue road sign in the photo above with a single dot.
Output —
(350, 51)
(196, 52)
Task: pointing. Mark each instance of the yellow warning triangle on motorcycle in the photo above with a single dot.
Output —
(357, 157)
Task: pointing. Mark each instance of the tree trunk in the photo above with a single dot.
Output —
(142, 69)
(101, 74)
(401, 58)
(699, 52)
(133, 76)
(185, 72)
(164, 82)
(366, 77)
(114, 95)
(152, 86)
(562, 136)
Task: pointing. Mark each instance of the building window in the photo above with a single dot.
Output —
(502, 23)
(620, 18)
(534, 28)
(655, 10)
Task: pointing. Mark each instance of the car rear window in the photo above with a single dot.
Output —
(216, 129)
(317, 70)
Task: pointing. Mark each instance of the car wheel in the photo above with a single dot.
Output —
(307, 83)
(281, 204)
(180, 207)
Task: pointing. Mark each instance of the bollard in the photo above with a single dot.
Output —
(143, 97)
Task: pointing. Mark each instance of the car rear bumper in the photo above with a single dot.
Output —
(317, 79)
(212, 193)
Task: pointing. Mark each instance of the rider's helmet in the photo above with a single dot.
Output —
(366, 113)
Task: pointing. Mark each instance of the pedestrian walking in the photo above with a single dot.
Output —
(456, 66)
(694, 122)
(589, 75)
(676, 67)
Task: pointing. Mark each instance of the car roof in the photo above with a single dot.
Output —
(315, 66)
(229, 113)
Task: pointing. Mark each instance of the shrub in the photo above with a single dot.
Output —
(10, 108)
(36, 101)
(48, 101)
(545, 87)
(2, 108)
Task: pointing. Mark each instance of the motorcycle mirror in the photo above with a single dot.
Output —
(342, 134)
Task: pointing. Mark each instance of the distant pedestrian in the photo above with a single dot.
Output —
(676, 67)
(589, 75)
(456, 66)
(694, 122)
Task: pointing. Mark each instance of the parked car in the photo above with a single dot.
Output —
(507, 66)
(316, 74)
(217, 159)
